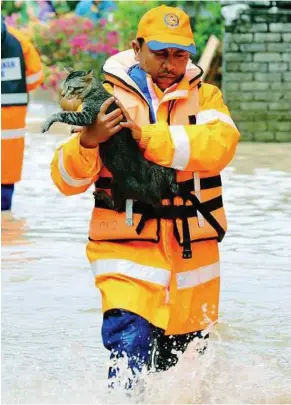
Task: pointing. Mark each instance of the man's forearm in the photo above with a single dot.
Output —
(87, 138)
(75, 168)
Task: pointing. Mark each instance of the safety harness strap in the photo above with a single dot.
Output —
(208, 216)
(184, 186)
(174, 212)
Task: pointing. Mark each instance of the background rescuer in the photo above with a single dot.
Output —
(21, 72)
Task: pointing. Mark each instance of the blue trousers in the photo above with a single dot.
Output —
(7, 191)
(125, 333)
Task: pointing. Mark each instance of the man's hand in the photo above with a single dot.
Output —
(135, 129)
(103, 128)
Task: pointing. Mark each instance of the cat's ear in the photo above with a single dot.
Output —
(89, 75)
(68, 69)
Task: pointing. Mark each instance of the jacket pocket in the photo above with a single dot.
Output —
(107, 224)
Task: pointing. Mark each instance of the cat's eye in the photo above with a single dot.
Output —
(78, 88)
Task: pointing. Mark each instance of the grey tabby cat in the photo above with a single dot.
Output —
(133, 177)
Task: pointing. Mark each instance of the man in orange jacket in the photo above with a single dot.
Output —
(21, 72)
(158, 273)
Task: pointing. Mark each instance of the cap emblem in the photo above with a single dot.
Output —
(171, 20)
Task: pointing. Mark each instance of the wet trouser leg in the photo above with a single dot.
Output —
(7, 191)
(127, 334)
(166, 348)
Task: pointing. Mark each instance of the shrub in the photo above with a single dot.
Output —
(71, 41)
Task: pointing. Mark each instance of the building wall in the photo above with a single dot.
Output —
(256, 78)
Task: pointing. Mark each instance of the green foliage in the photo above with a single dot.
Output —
(208, 23)
(8, 8)
(71, 4)
(126, 19)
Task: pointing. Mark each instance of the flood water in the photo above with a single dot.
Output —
(51, 318)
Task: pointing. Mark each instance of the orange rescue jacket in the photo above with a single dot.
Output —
(140, 268)
(21, 73)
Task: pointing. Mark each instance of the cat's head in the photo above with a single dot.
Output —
(77, 84)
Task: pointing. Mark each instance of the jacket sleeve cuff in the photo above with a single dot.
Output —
(89, 157)
(81, 162)
(88, 153)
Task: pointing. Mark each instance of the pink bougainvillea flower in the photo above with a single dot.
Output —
(112, 37)
(79, 40)
(88, 25)
(113, 51)
(12, 19)
(102, 22)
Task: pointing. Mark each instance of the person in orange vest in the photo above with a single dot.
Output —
(159, 278)
(21, 72)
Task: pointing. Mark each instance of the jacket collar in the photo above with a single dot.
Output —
(116, 70)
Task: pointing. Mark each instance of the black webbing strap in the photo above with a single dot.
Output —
(184, 187)
(208, 216)
(176, 211)
(142, 223)
(187, 251)
(206, 212)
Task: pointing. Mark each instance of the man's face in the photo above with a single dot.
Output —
(165, 66)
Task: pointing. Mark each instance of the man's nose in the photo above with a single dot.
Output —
(169, 64)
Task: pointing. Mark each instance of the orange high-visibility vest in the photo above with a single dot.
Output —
(21, 73)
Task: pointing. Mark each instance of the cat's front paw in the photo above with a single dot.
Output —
(46, 126)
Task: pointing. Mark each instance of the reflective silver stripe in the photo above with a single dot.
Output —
(182, 147)
(203, 117)
(197, 189)
(131, 269)
(34, 77)
(14, 98)
(12, 133)
(129, 212)
(67, 178)
(193, 278)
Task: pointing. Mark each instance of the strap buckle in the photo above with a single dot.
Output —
(187, 252)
